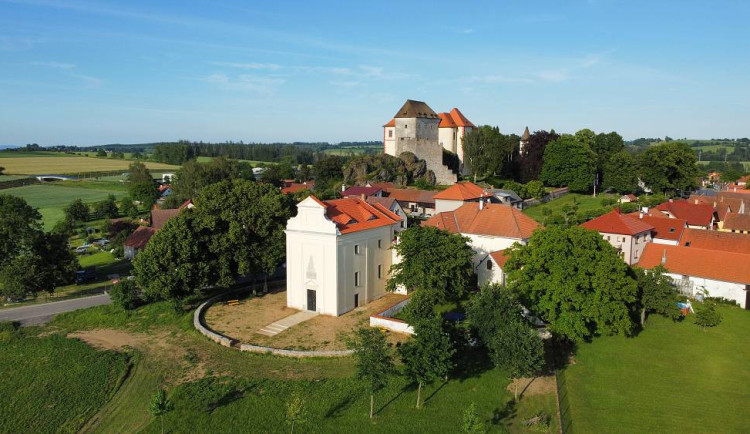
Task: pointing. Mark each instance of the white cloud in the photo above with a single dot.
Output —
(251, 65)
(55, 65)
(246, 83)
(495, 78)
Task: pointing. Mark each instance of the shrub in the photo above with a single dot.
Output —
(125, 295)
(708, 316)
(607, 201)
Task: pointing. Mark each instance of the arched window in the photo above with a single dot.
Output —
(489, 264)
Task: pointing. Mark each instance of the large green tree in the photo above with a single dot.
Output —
(574, 280)
(568, 162)
(495, 314)
(373, 361)
(669, 166)
(77, 211)
(428, 355)
(530, 159)
(621, 173)
(433, 260)
(489, 152)
(656, 293)
(605, 145)
(141, 184)
(19, 222)
(194, 176)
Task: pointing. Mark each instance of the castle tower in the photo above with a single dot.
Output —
(524, 140)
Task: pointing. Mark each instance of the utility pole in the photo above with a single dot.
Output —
(596, 181)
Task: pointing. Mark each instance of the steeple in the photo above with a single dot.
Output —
(526, 135)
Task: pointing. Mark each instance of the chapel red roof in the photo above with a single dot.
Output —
(465, 190)
(690, 261)
(493, 219)
(615, 223)
(353, 214)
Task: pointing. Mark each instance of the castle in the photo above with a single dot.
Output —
(416, 128)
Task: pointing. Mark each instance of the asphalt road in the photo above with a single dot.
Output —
(36, 314)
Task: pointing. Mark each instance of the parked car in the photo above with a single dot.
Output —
(102, 243)
(85, 276)
(82, 249)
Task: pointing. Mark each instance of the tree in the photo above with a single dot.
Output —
(568, 162)
(2, 169)
(372, 360)
(194, 176)
(160, 405)
(107, 208)
(101, 153)
(128, 208)
(433, 260)
(530, 165)
(125, 295)
(19, 223)
(669, 166)
(176, 261)
(139, 173)
(472, 422)
(513, 344)
(656, 293)
(535, 189)
(621, 173)
(141, 186)
(296, 410)
(605, 146)
(585, 136)
(328, 169)
(42, 263)
(708, 316)
(487, 151)
(275, 174)
(427, 355)
(77, 211)
(575, 281)
(730, 174)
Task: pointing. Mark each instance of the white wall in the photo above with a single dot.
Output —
(631, 246)
(447, 138)
(389, 142)
(443, 205)
(663, 241)
(484, 244)
(485, 276)
(716, 288)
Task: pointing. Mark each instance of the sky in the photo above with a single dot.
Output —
(89, 73)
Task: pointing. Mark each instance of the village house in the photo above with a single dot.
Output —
(627, 234)
(458, 194)
(507, 197)
(735, 222)
(490, 227)
(359, 191)
(715, 240)
(294, 187)
(417, 203)
(392, 205)
(338, 254)
(138, 240)
(712, 273)
(491, 268)
(628, 198)
(698, 215)
(666, 230)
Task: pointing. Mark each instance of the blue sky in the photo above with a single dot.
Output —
(76, 72)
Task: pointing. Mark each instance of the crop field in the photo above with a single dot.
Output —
(54, 384)
(51, 198)
(32, 164)
(353, 150)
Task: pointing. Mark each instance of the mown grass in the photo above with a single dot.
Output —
(54, 384)
(585, 202)
(46, 164)
(672, 377)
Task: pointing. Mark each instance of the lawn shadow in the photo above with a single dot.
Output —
(471, 362)
(558, 354)
(434, 392)
(401, 392)
(506, 413)
(337, 410)
(226, 399)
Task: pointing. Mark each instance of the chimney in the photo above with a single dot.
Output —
(481, 204)
(343, 187)
(664, 257)
(696, 201)
(640, 214)
(671, 200)
(362, 196)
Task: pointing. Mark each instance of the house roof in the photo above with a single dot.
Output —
(382, 185)
(295, 187)
(697, 214)
(716, 240)
(526, 135)
(187, 204)
(493, 219)
(631, 196)
(462, 191)
(500, 258)
(665, 228)
(615, 223)
(391, 123)
(358, 190)
(690, 261)
(385, 201)
(459, 119)
(352, 214)
(164, 187)
(415, 109)
(412, 195)
(159, 217)
(514, 197)
(736, 221)
(140, 237)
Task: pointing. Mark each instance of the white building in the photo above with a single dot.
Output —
(338, 254)
(491, 268)
(456, 195)
(629, 235)
(452, 131)
(714, 273)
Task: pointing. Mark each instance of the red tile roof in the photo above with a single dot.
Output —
(454, 119)
(159, 217)
(664, 227)
(500, 258)
(140, 237)
(187, 204)
(494, 220)
(696, 214)
(358, 190)
(462, 191)
(736, 221)
(391, 123)
(354, 215)
(615, 223)
(689, 261)
(446, 121)
(412, 195)
(715, 240)
(295, 187)
(385, 201)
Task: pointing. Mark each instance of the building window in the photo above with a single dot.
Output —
(356, 278)
(356, 249)
(489, 264)
(380, 244)
(390, 133)
(380, 271)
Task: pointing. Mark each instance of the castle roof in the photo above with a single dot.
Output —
(454, 119)
(415, 109)
(526, 135)
(391, 123)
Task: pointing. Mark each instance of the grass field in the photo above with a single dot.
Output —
(51, 198)
(358, 150)
(673, 377)
(57, 163)
(746, 164)
(585, 202)
(54, 384)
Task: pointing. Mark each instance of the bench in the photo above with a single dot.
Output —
(232, 302)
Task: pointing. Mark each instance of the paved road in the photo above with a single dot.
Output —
(41, 313)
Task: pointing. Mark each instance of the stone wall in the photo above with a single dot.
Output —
(420, 137)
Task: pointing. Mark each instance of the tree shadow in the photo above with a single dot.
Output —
(558, 353)
(506, 413)
(434, 392)
(383, 407)
(226, 400)
(520, 394)
(337, 410)
(471, 362)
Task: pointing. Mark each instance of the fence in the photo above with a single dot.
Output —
(563, 406)
(385, 320)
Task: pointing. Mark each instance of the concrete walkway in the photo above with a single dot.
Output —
(279, 326)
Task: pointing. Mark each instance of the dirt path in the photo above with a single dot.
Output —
(534, 386)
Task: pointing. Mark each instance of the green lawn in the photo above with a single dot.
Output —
(672, 377)
(54, 384)
(51, 198)
(585, 202)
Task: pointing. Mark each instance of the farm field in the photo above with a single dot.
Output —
(672, 377)
(51, 198)
(54, 384)
(746, 164)
(357, 150)
(253, 163)
(58, 164)
(585, 202)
